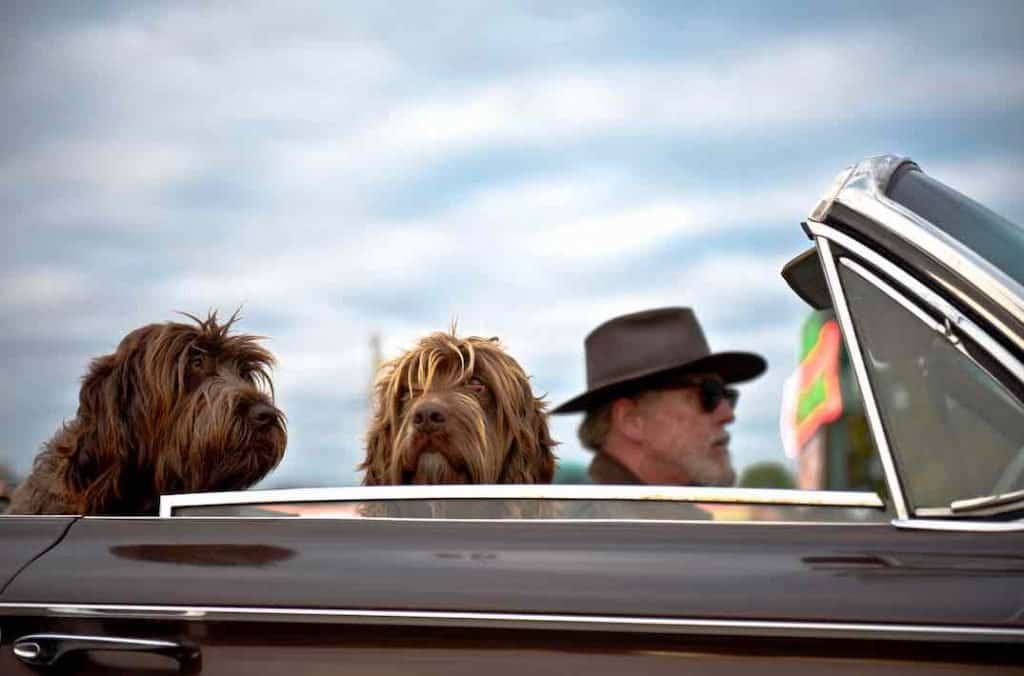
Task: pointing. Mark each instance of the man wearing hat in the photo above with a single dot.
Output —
(657, 400)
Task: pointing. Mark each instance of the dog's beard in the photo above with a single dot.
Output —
(433, 468)
(215, 446)
(467, 451)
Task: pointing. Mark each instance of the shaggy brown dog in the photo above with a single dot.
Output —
(177, 408)
(457, 410)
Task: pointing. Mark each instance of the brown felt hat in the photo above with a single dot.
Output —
(649, 349)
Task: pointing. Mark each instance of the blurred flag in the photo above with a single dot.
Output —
(811, 396)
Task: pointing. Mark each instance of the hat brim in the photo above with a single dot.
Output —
(733, 367)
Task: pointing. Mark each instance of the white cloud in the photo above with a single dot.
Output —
(42, 287)
(535, 158)
(617, 233)
(771, 90)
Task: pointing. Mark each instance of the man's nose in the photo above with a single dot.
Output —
(724, 412)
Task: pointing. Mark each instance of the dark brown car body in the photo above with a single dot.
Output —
(364, 596)
(806, 584)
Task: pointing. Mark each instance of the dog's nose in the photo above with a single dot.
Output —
(262, 414)
(429, 416)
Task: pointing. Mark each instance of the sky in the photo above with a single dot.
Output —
(342, 170)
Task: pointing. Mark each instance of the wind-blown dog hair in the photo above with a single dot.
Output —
(494, 430)
(176, 408)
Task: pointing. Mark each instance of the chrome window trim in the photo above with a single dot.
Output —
(863, 190)
(999, 500)
(759, 496)
(871, 409)
(530, 520)
(927, 296)
(671, 625)
(960, 526)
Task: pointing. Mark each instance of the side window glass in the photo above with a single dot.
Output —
(955, 431)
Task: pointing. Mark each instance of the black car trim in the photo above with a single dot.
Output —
(863, 192)
(991, 311)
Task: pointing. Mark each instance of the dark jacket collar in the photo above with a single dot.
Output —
(606, 470)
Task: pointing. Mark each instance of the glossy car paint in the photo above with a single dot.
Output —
(872, 576)
(24, 538)
(715, 570)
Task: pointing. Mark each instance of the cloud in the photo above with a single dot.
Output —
(342, 171)
(722, 94)
(41, 287)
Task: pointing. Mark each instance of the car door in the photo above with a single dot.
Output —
(25, 538)
(319, 596)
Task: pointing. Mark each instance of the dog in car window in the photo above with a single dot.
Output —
(457, 411)
(176, 408)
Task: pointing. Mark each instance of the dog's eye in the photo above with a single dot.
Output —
(197, 362)
(476, 386)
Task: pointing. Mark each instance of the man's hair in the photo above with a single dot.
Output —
(597, 422)
(594, 429)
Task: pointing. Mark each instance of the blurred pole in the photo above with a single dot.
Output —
(376, 358)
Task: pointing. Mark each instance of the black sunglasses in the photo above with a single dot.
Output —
(712, 392)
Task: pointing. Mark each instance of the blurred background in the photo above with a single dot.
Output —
(354, 175)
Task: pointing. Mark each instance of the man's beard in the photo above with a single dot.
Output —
(707, 470)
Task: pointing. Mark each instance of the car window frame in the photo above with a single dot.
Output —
(834, 245)
(640, 493)
(960, 345)
(858, 200)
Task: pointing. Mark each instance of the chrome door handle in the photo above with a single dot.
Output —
(46, 650)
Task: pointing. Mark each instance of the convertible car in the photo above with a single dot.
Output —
(924, 574)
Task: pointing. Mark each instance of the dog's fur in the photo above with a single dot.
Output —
(177, 408)
(456, 410)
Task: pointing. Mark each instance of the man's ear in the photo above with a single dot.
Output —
(628, 419)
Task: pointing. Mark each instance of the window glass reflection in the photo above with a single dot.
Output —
(956, 432)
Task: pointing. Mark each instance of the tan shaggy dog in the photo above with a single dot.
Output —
(457, 411)
(177, 408)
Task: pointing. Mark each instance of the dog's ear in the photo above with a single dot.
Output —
(380, 435)
(530, 458)
(378, 450)
(97, 447)
(91, 447)
(379, 440)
